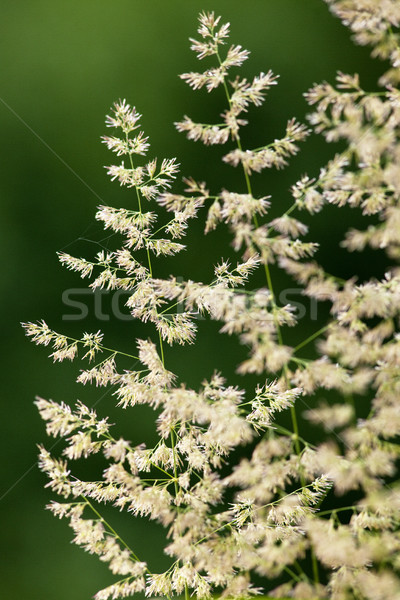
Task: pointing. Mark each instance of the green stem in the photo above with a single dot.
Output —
(314, 566)
(296, 437)
(268, 277)
(140, 210)
(113, 352)
(112, 530)
(311, 338)
(335, 510)
(285, 431)
(172, 437)
(160, 338)
(292, 574)
(238, 142)
(279, 333)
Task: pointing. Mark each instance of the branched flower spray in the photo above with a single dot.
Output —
(266, 524)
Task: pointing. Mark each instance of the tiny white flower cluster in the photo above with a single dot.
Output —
(236, 516)
(245, 93)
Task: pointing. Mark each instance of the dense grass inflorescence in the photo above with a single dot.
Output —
(289, 517)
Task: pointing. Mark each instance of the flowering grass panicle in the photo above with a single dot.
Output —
(249, 504)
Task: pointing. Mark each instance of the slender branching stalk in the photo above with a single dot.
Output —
(249, 506)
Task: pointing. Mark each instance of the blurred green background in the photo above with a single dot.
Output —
(62, 66)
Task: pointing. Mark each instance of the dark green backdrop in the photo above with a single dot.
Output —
(62, 65)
